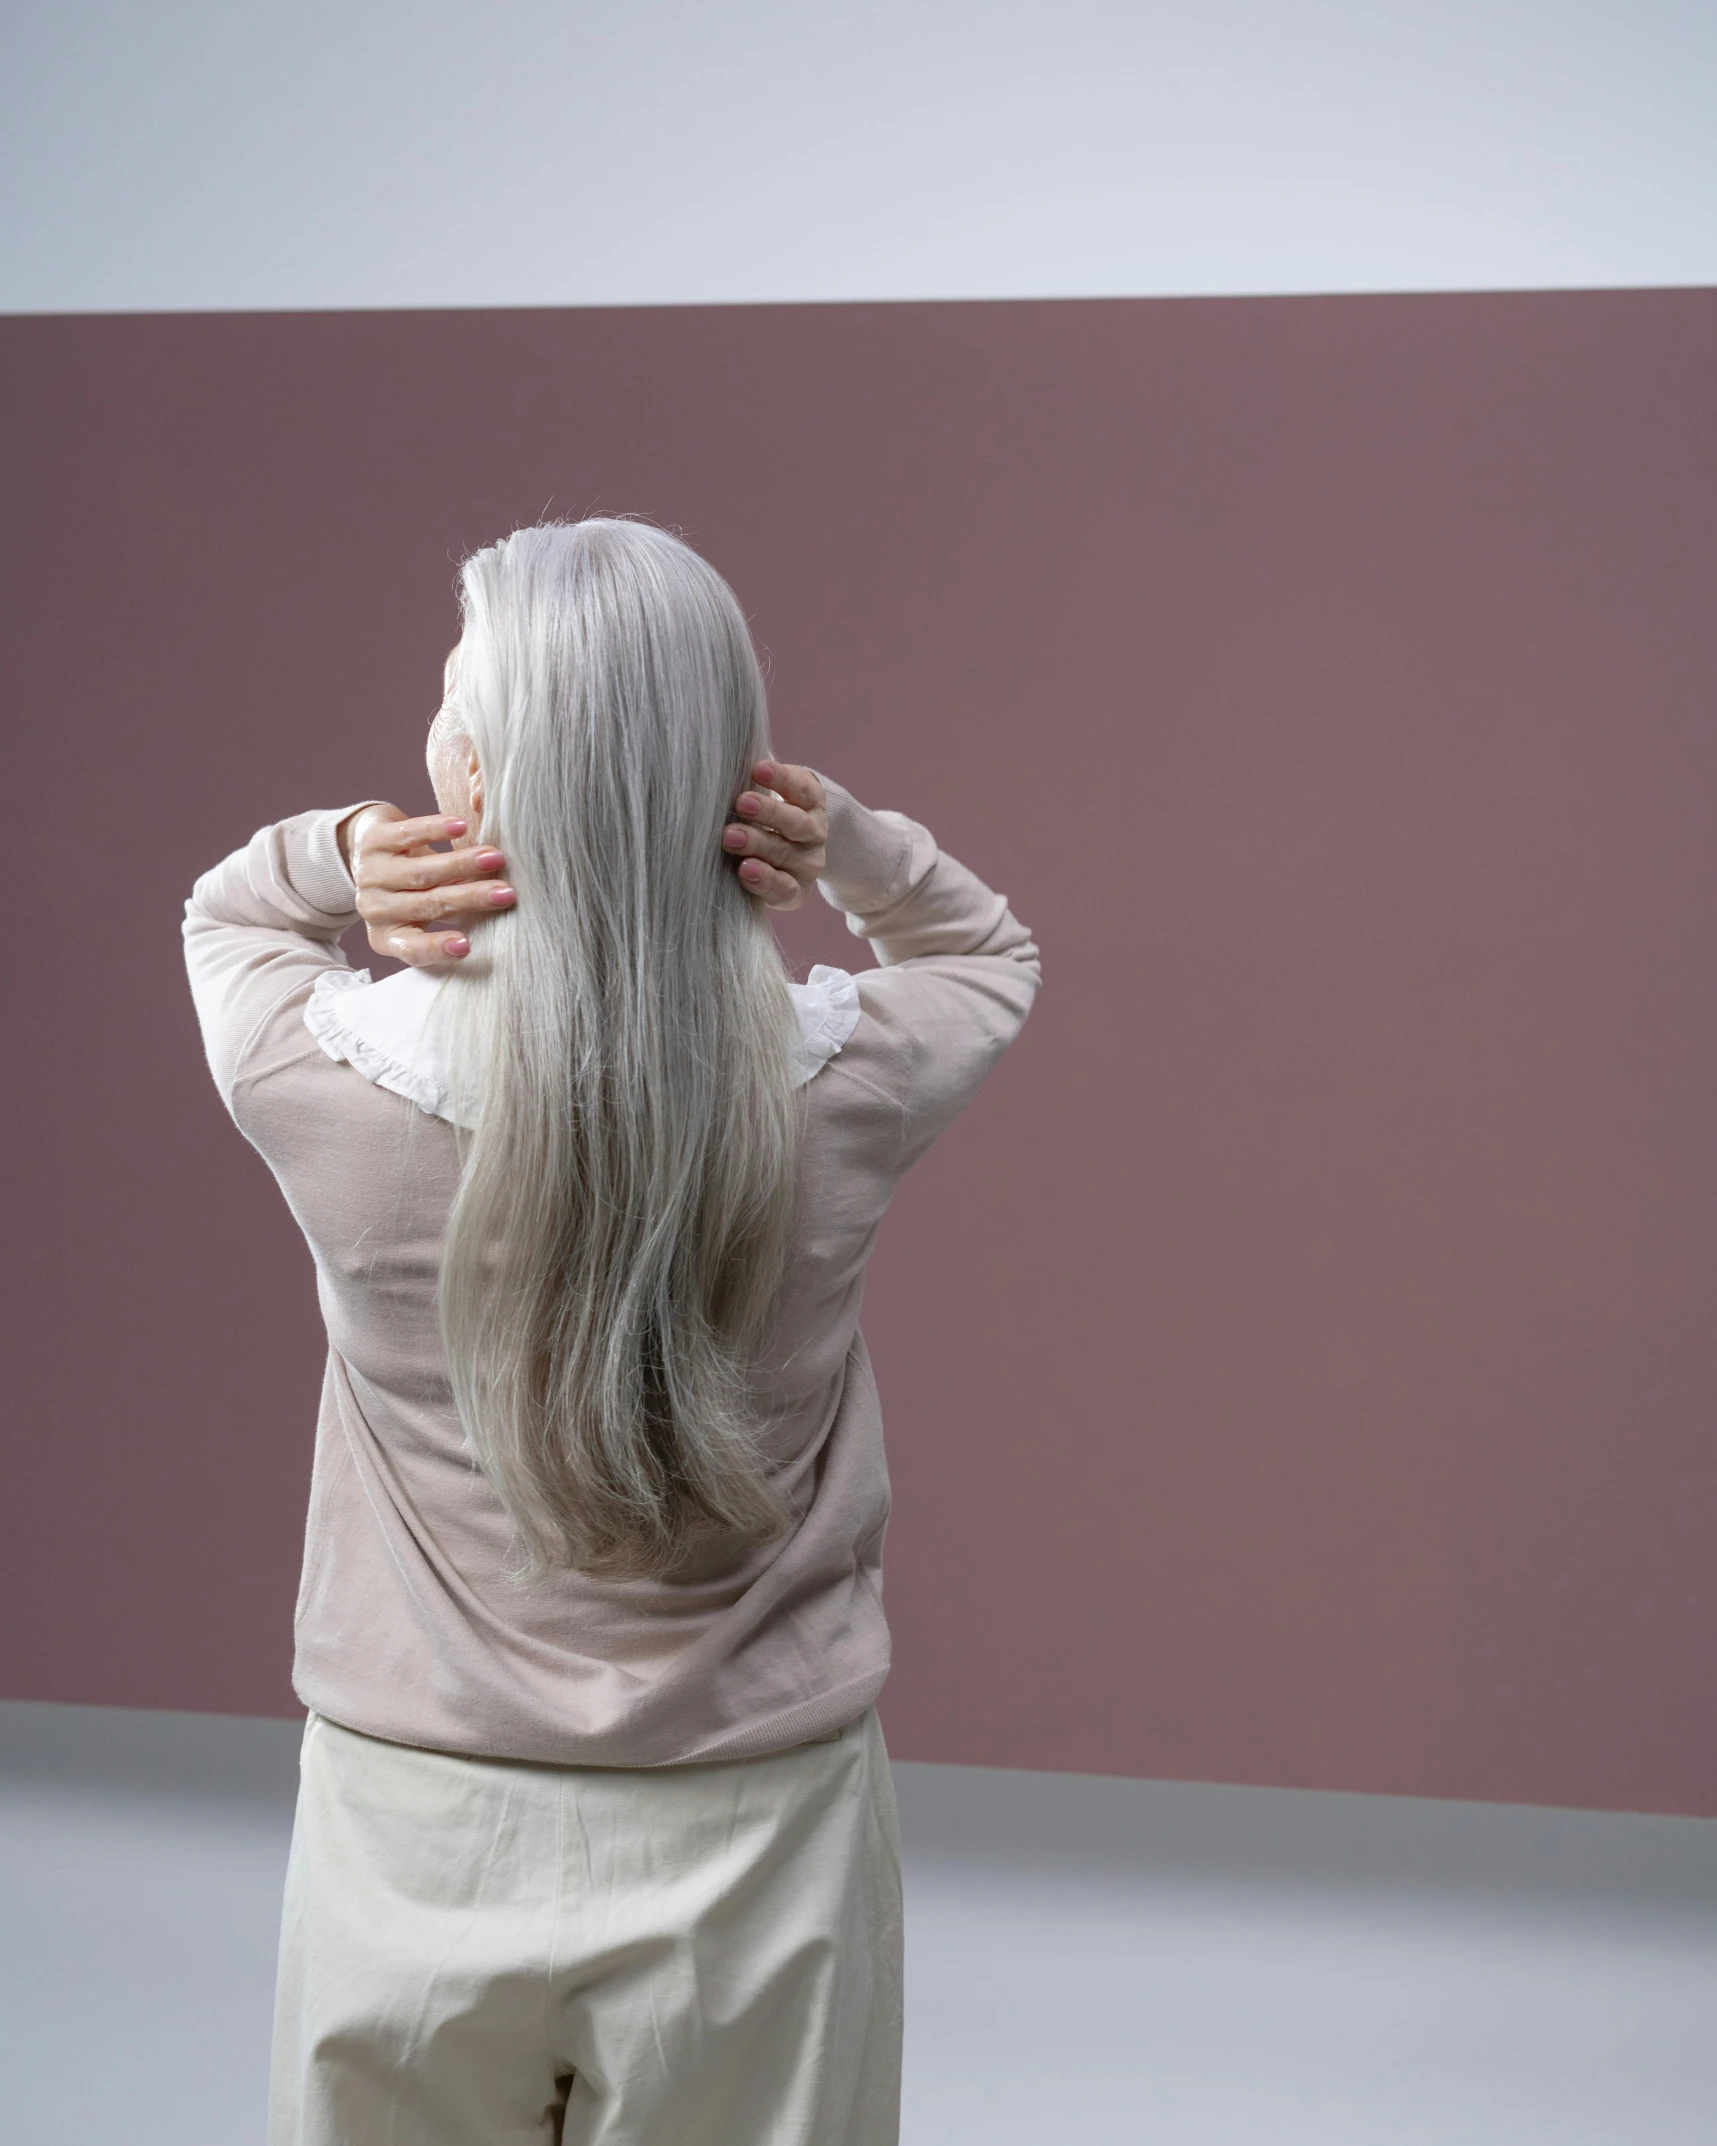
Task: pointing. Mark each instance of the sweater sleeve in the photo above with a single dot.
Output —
(958, 971)
(260, 928)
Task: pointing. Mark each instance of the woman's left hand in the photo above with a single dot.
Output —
(778, 833)
(408, 893)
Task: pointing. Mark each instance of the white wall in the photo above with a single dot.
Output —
(171, 154)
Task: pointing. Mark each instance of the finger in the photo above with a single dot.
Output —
(758, 842)
(427, 868)
(762, 808)
(421, 949)
(801, 786)
(384, 910)
(775, 890)
(397, 835)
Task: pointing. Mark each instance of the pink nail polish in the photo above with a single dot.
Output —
(455, 827)
(502, 894)
(734, 838)
(458, 947)
(490, 860)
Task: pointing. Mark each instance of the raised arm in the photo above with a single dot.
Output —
(261, 927)
(958, 970)
(912, 901)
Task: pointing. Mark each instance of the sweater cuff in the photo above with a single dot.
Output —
(315, 867)
(875, 859)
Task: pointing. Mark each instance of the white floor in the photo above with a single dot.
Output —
(1089, 1961)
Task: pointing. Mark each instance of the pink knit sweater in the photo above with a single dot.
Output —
(409, 1626)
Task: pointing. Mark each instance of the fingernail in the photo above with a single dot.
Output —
(751, 869)
(499, 895)
(734, 837)
(457, 947)
(489, 860)
(765, 771)
(749, 804)
(456, 827)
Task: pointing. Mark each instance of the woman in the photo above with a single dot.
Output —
(595, 1839)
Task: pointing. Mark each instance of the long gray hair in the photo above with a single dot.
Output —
(617, 1240)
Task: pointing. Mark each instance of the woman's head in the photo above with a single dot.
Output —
(618, 1235)
(605, 660)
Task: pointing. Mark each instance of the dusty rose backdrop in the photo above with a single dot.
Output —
(1300, 1362)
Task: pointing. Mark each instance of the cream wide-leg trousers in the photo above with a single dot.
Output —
(477, 1953)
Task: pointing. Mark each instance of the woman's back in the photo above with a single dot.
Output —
(413, 1622)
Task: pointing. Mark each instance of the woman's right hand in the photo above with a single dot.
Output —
(406, 889)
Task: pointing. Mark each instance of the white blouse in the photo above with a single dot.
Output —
(388, 1032)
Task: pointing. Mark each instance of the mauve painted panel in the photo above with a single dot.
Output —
(1299, 1363)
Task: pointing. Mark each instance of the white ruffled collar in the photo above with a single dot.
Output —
(387, 1031)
